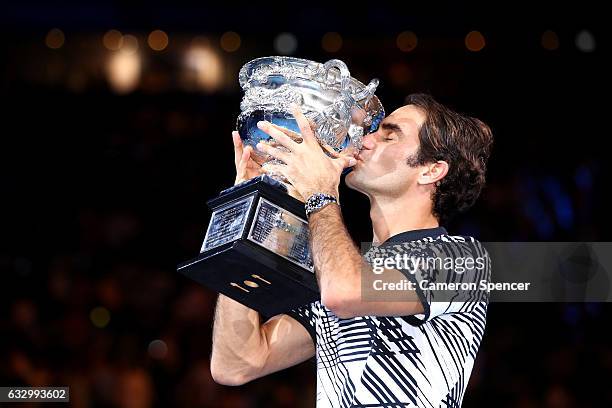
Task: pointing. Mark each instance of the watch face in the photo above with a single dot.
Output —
(318, 201)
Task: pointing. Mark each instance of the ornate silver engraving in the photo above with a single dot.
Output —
(341, 108)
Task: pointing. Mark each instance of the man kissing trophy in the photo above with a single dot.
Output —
(256, 249)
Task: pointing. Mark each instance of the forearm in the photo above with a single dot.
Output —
(337, 261)
(239, 345)
(340, 269)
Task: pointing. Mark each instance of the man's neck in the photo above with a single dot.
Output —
(399, 214)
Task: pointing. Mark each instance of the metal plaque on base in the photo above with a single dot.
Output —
(256, 249)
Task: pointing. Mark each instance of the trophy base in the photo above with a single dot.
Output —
(256, 249)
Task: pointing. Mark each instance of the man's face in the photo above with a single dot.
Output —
(382, 163)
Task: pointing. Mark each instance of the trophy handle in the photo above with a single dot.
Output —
(366, 94)
(345, 75)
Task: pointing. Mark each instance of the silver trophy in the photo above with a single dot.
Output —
(256, 247)
(341, 108)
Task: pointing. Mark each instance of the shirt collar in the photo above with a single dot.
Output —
(414, 235)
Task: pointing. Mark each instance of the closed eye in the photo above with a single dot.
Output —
(391, 129)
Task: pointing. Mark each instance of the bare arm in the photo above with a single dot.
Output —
(340, 269)
(244, 348)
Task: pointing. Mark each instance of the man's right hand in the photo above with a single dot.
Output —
(246, 167)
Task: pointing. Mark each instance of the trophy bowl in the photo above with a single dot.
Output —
(340, 108)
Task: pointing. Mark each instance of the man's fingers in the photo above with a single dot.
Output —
(276, 169)
(238, 147)
(278, 135)
(330, 150)
(236, 138)
(351, 162)
(273, 151)
(244, 161)
(295, 136)
(345, 161)
(304, 124)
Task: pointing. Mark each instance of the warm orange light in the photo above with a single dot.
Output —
(158, 40)
(123, 71)
(331, 42)
(55, 38)
(207, 67)
(130, 44)
(550, 40)
(400, 74)
(112, 40)
(407, 41)
(230, 41)
(474, 41)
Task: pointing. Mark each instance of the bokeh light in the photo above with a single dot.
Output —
(585, 41)
(400, 74)
(158, 349)
(123, 71)
(100, 317)
(550, 40)
(285, 43)
(130, 44)
(55, 38)
(406, 41)
(158, 40)
(206, 65)
(112, 40)
(230, 41)
(474, 41)
(331, 42)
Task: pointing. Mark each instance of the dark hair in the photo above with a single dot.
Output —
(461, 141)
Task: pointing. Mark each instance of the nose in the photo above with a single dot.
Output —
(369, 141)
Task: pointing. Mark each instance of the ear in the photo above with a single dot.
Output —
(433, 172)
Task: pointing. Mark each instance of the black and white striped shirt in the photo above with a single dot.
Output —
(422, 360)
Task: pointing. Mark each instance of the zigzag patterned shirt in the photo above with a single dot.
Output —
(423, 360)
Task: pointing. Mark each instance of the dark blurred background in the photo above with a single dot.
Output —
(116, 126)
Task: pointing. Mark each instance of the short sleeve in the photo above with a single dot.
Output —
(447, 274)
(306, 316)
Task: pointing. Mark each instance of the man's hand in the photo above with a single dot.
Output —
(246, 167)
(307, 168)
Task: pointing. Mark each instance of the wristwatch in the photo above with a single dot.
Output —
(317, 201)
